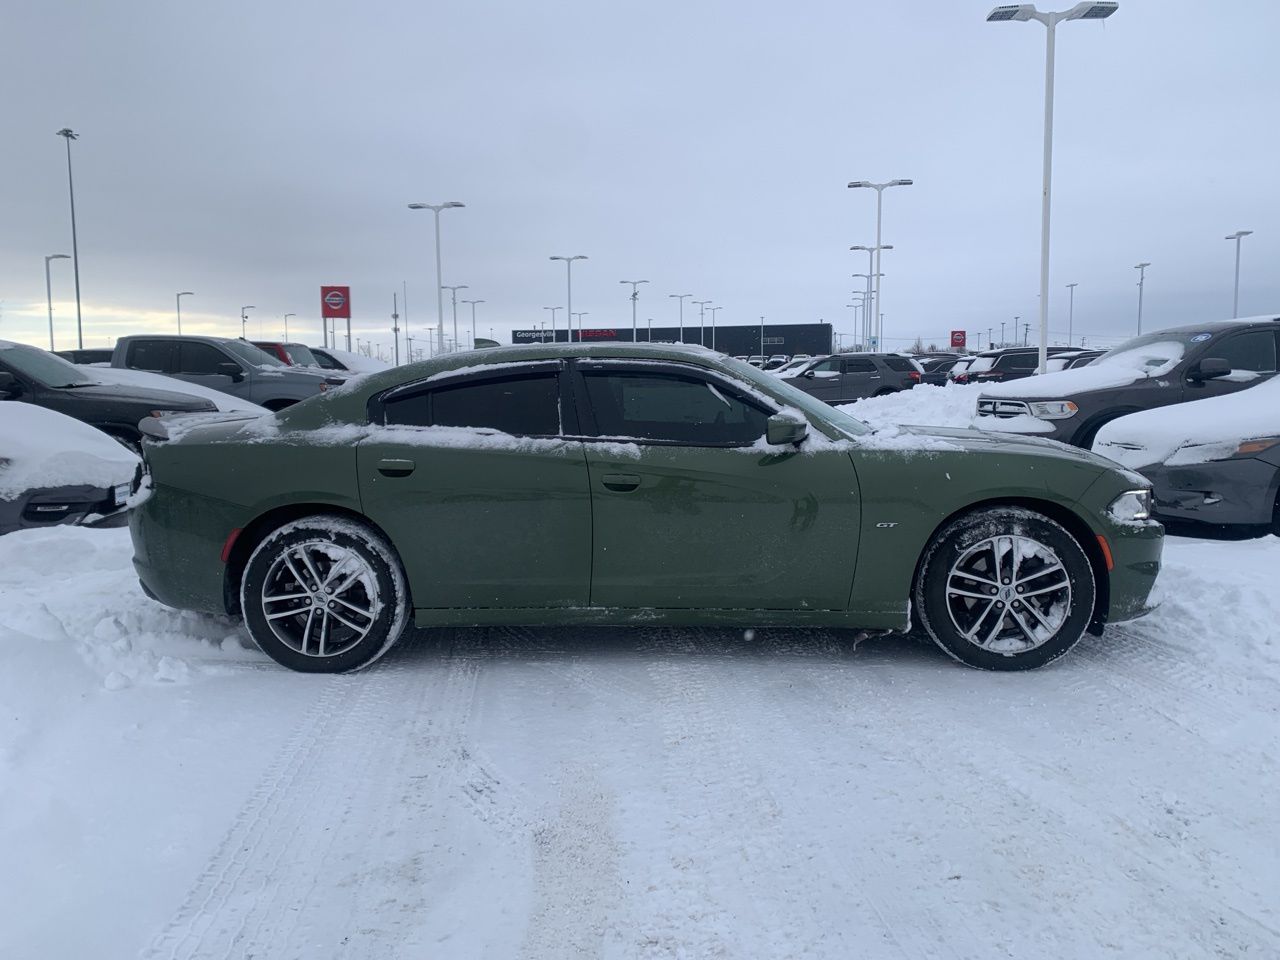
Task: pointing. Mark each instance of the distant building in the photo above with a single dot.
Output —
(787, 338)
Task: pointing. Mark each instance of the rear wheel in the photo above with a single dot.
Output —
(324, 594)
(1005, 588)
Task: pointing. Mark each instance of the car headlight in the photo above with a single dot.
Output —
(1053, 409)
(1130, 506)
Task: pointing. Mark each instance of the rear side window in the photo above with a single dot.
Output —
(859, 365)
(1254, 351)
(670, 407)
(201, 359)
(1018, 361)
(525, 405)
(901, 364)
(151, 355)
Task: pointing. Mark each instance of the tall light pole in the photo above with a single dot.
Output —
(454, 292)
(244, 321)
(553, 310)
(635, 297)
(1235, 297)
(580, 314)
(48, 290)
(395, 324)
(436, 208)
(1015, 323)
(286, 325)
(879, 188)
(568, 279)
(1142, 276)
(178, 302)
(873, 271)
(1071, 312)
(680, 297)
(702, 321)
(713, 311)
(68, 134)
(1087, 10)
(473, 320)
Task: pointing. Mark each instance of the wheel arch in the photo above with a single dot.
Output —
(261, 526)
(1089, 429)
(1071, 521)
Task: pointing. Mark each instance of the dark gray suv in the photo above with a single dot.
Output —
(1154, 370)
(843, 377)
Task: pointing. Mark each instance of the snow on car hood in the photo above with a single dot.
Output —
(1116, 369)
(1194, 432)
(40, 448)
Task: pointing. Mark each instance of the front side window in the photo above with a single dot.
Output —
(524, 405)
(671, 407)
(1254, 351)
(150, 355)
(200, 359)
(826, 368)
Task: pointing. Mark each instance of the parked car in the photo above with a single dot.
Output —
(959, 372)
(791, 366)
(344, 361)
(843, 377)
(756, 360)
(776, 361)
(54, 469)
(34, 376)
(236, 367)
(936, 369)
(624, 483)
(292, 354)
(1154, 370)
(1006, 363)
(86, 356)
(1071, 360)
(1213, 462)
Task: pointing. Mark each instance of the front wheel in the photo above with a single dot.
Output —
(324, 594)
(1005, 588)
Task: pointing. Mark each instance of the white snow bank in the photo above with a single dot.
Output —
(1115, 369)
(158, 381)
(928, 405)
(42, 448)
(1194, 432)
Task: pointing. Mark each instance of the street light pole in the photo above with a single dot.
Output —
(473, 320)
(713, 311)
(178, 301)
(702, 321)
(244, 321)
(286, 325)
(873, 270)
(48, 291)
(635, 297)
(436, 208)
(395, 324)
(568, 279)
(879, 188)
(1071, 313)
(1142, 276)
(554, 310)
(1235, 297)
(68, 134)
(680, 297)
(580, 314)
(454, 292)
(1086, 10)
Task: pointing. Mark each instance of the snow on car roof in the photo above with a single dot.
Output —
(41, 448)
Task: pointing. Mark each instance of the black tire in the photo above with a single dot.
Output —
(360, 571)
(1031, 630)
(275, 406)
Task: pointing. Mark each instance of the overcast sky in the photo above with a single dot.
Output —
(251, 152)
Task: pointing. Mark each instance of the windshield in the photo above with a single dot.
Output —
(301, 355)
(251, 354)
(45, 367)
(793, 366)
(1155, 354)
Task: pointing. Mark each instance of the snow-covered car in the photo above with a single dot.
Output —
(330, 358)
(1214, 461)
(54, 469)
(1154, 370)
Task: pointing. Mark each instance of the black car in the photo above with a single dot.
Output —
(936, 368)
(31, 375)
(93, 355)
(1154, 370)
(844, 377)
(1007, 363)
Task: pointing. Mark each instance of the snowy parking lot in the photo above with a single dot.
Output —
(165, 791)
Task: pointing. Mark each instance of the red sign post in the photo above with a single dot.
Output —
(335, 304)
(958, 339)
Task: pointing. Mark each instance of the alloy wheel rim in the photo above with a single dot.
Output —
(320, 599)
(1009, 594)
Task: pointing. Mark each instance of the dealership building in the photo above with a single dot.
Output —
(787, 338)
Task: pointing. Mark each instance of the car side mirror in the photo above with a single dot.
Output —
(784, 428)
(232, 370)
(809, 374)
(1210, 368)
(9, 386)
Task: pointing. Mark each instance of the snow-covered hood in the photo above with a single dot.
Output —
(41, 448)
(1067, 383)
(1195, 432)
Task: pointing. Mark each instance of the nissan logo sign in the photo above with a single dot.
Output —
(335, 299)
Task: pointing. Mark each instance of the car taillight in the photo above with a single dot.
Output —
(915, 375)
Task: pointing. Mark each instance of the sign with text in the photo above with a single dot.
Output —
(335, 303)
(959, 339)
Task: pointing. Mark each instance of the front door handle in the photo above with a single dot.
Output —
(620, 482)
(396, 468)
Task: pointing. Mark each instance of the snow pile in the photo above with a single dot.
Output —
(952, 405)
(40, 448)
(1196, 432)
(1116, 369)
(158, 381)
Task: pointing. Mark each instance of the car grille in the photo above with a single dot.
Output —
(1003, 408)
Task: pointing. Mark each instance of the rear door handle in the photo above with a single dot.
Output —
(396, 468)
(620, 482)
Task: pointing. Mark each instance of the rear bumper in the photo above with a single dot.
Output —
(1222, 492)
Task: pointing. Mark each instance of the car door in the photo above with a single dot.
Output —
(822, 380)
(204, 364)
(1252, 356)
(692, 510)
(473, 479)
(859, 378)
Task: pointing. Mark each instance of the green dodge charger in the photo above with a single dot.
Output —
(625, 483)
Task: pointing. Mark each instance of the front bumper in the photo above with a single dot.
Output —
(1135, 552)
(1236, 492)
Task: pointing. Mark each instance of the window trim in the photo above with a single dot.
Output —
(586, 417)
